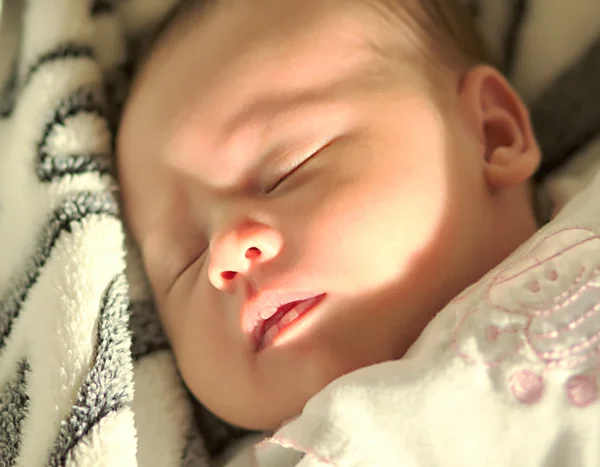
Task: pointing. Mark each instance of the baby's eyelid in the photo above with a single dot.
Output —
(296, 165)
(288, 172)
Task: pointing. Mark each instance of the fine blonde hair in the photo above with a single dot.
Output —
(436, 40)
(444, 29)
(438, 35)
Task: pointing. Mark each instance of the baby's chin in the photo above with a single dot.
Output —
(259, 414)
(264, 411)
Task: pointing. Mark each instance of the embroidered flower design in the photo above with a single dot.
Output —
(541, 314)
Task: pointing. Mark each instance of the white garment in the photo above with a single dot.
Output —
(505, 375)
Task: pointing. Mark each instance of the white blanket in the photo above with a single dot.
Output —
(86, 377)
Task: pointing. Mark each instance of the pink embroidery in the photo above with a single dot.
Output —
(591, 344)
(582, 390)
(493, 362)
(492, 333)
(571, 295)
(569, 327)
(549, 328)
(526, 386)
(552, 276)
(536, 261)
(573, 362)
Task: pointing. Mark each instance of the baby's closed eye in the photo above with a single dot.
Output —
(295, 165)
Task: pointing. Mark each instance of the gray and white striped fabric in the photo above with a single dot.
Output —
(78, 332)
(77, 329)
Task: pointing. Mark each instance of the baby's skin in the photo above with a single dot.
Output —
(305, 205)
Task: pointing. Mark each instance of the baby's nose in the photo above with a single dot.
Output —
(239, 250)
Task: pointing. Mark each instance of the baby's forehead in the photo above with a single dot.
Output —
(230, 28)
(240, 55)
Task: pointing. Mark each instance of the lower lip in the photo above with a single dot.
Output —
(282, 330)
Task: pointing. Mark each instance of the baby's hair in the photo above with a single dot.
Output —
(441, 33)
(442, 30)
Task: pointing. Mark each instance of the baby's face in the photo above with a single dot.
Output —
(270, 157)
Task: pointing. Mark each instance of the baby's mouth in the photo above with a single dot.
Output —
(266, 329)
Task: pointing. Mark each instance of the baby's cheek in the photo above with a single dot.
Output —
(349, 241)
(181, 314)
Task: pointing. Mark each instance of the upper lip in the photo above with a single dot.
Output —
(262, 306)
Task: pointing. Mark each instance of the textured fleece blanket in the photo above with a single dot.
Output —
(86, 376)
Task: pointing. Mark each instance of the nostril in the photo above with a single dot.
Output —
(252, 253)
(228, 275)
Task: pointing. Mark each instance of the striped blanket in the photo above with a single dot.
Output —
(86, 376)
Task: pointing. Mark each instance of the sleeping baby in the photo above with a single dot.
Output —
(332, 198)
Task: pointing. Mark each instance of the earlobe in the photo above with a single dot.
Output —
(501, 123)
(508, 168)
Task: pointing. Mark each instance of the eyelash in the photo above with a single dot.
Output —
(292, 170)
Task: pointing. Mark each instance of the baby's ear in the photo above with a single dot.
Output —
(501, 122)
